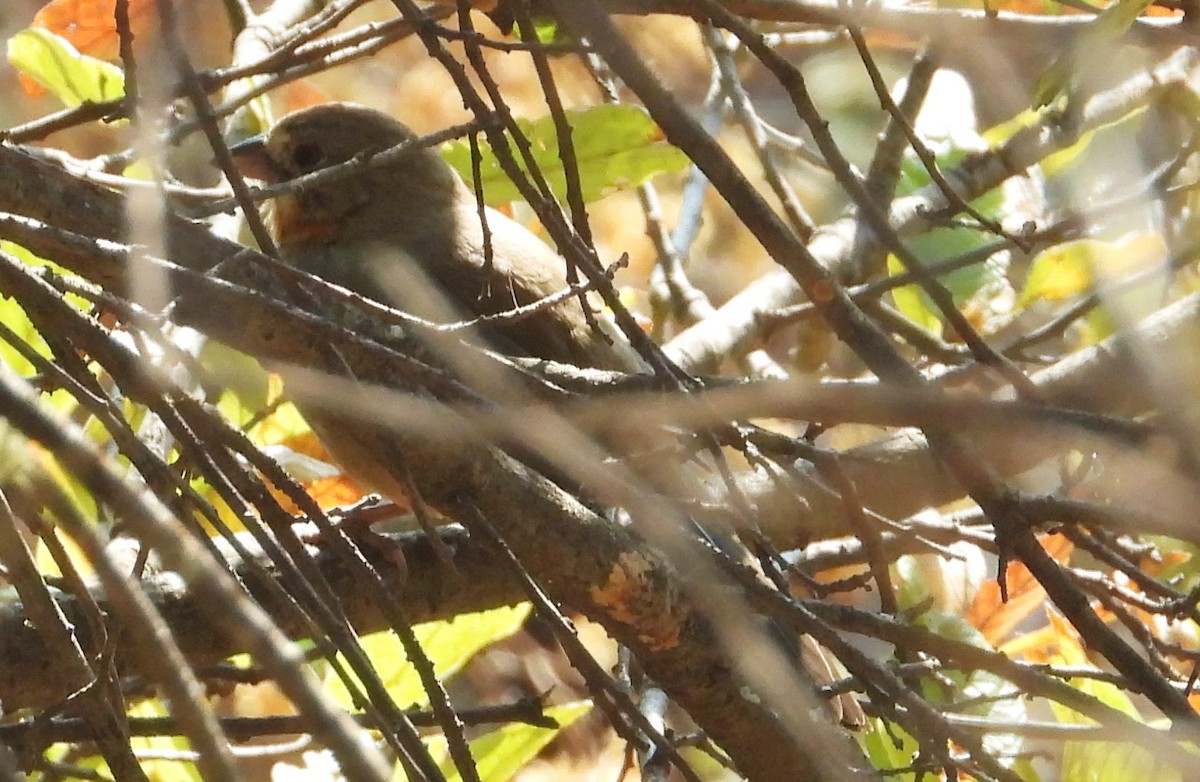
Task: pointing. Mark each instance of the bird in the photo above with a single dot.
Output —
(393, 226)
(407, 232)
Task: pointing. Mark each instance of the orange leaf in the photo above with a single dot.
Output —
(1038, 646)
(301, 94)
(1070, 650)
(89, 24)
(30, 87)
(1169, 559)
(334, 492)
(307, 444)
(996, 619)
(1058, 643)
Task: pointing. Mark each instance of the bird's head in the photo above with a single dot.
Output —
(330, 134)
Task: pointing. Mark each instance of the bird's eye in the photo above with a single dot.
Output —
(308, 156)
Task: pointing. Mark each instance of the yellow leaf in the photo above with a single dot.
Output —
(1060, 272)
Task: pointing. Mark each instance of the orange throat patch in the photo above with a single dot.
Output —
(291, 227)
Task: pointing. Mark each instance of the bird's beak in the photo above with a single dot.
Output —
(253, 161)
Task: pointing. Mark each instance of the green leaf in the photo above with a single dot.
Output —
(55, 64)
(616, 147)
(159, 769)
(14, 318)
(548, 31)
(447, 644)
(913, 303)
(1062, 161)
(1084, 761)
(501, 754)
(1090, 47)
(941, 244)
(920, 580)
(245, 385)
(890, 747)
